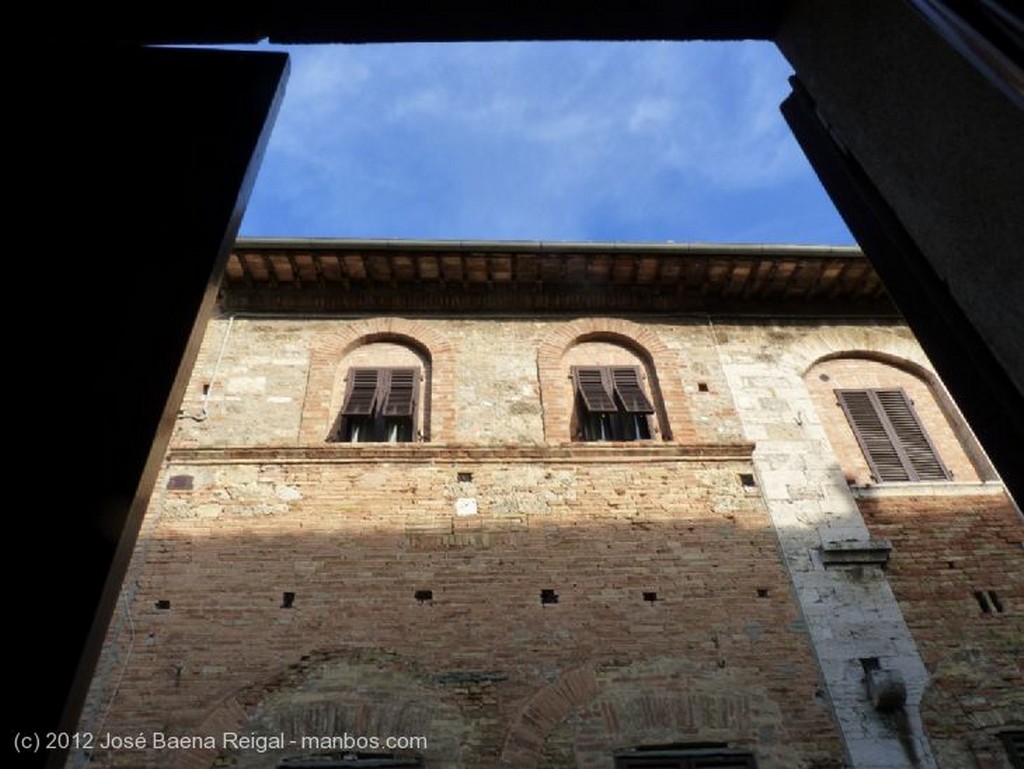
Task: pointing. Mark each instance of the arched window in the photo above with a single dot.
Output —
(888, 423)
(383, 392)
(607, 344)
(613, 395)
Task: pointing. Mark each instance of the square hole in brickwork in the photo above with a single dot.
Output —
(206, 388)
(702, 387)
(465, 477)
(548, 596)
(423, 595)
(180, 483)
(163, 604)
(762, 592)
(747, 479)
(287, 600)
(650, 596)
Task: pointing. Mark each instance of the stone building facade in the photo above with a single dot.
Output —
(565, 505)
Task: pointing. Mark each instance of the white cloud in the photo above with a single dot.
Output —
(428, 102)
(524, 140)
(327, 72)
(648, 115)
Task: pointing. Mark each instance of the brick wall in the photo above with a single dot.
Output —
(484, 669)
(256, 504)
(945, 550)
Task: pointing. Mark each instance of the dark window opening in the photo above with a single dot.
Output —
(611, 404)
(891, 436)
(379, 406)
(548, 596)
(423, 595)
(163, 604)
(689, 756)
(1014, 744)
(702, 387)
(287, 600)
(650, 596)
(748, 481)
(762, 592)
(370, 430)
(465, 477)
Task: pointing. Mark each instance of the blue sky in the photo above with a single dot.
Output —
(539, 141)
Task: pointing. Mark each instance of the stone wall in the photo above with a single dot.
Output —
(815, 482)
(276, 382)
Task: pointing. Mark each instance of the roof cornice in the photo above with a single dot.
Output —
(457, 276)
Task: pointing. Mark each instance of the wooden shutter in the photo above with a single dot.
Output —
(400, 392)
(922, 459)
(594, 385)
(362, 394)
(874, 438)
(891, 436)
(627, 385)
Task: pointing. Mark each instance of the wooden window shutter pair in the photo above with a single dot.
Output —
(390, 392)
(891, 436)
(598, 386)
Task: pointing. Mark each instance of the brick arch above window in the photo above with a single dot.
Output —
(303, 691)
(326, 369)
(671, 407)
(877, 407)
(887, 358)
